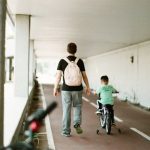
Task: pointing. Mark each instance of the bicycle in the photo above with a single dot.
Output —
(33, 124)
(106, 118)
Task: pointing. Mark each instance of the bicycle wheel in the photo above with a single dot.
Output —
(108, 123)
(102, 120)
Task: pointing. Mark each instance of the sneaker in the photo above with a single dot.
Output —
(78, 129)
(66, 134)
(99, 111)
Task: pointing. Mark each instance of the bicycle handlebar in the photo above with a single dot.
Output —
(39, 115)
(36, 118)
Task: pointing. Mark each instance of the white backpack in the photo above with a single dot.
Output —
(72, 73)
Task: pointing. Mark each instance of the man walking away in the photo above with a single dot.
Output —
(73, 71)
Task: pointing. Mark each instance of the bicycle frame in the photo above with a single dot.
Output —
(106, 118)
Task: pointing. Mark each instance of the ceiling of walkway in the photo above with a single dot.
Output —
(97, 26)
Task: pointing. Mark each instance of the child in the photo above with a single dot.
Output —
(105, 96)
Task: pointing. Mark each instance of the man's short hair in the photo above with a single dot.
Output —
(72, 48)
(105, 78)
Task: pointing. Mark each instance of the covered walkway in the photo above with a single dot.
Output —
(112, 37)
(127, 117)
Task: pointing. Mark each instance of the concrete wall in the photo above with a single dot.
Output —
(131, 79)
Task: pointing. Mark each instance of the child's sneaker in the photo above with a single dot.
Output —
(78, 129)
(98, 112)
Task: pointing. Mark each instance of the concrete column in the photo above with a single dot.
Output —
(31, 73)
(22, 55)
(34, 63)
(2, 64)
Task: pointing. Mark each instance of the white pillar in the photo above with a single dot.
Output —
(22, 55)
(31, 74)
(31, 63)
(34, 63)
(2, 64)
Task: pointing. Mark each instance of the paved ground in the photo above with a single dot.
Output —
(130, 116)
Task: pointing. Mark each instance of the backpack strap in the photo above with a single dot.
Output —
(67, 60)
(77, 59)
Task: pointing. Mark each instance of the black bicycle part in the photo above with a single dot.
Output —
(39, 115)
(106, 118)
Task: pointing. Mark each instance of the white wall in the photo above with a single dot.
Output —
(131, 79)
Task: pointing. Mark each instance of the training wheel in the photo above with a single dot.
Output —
(97, 132)
(119, 131)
